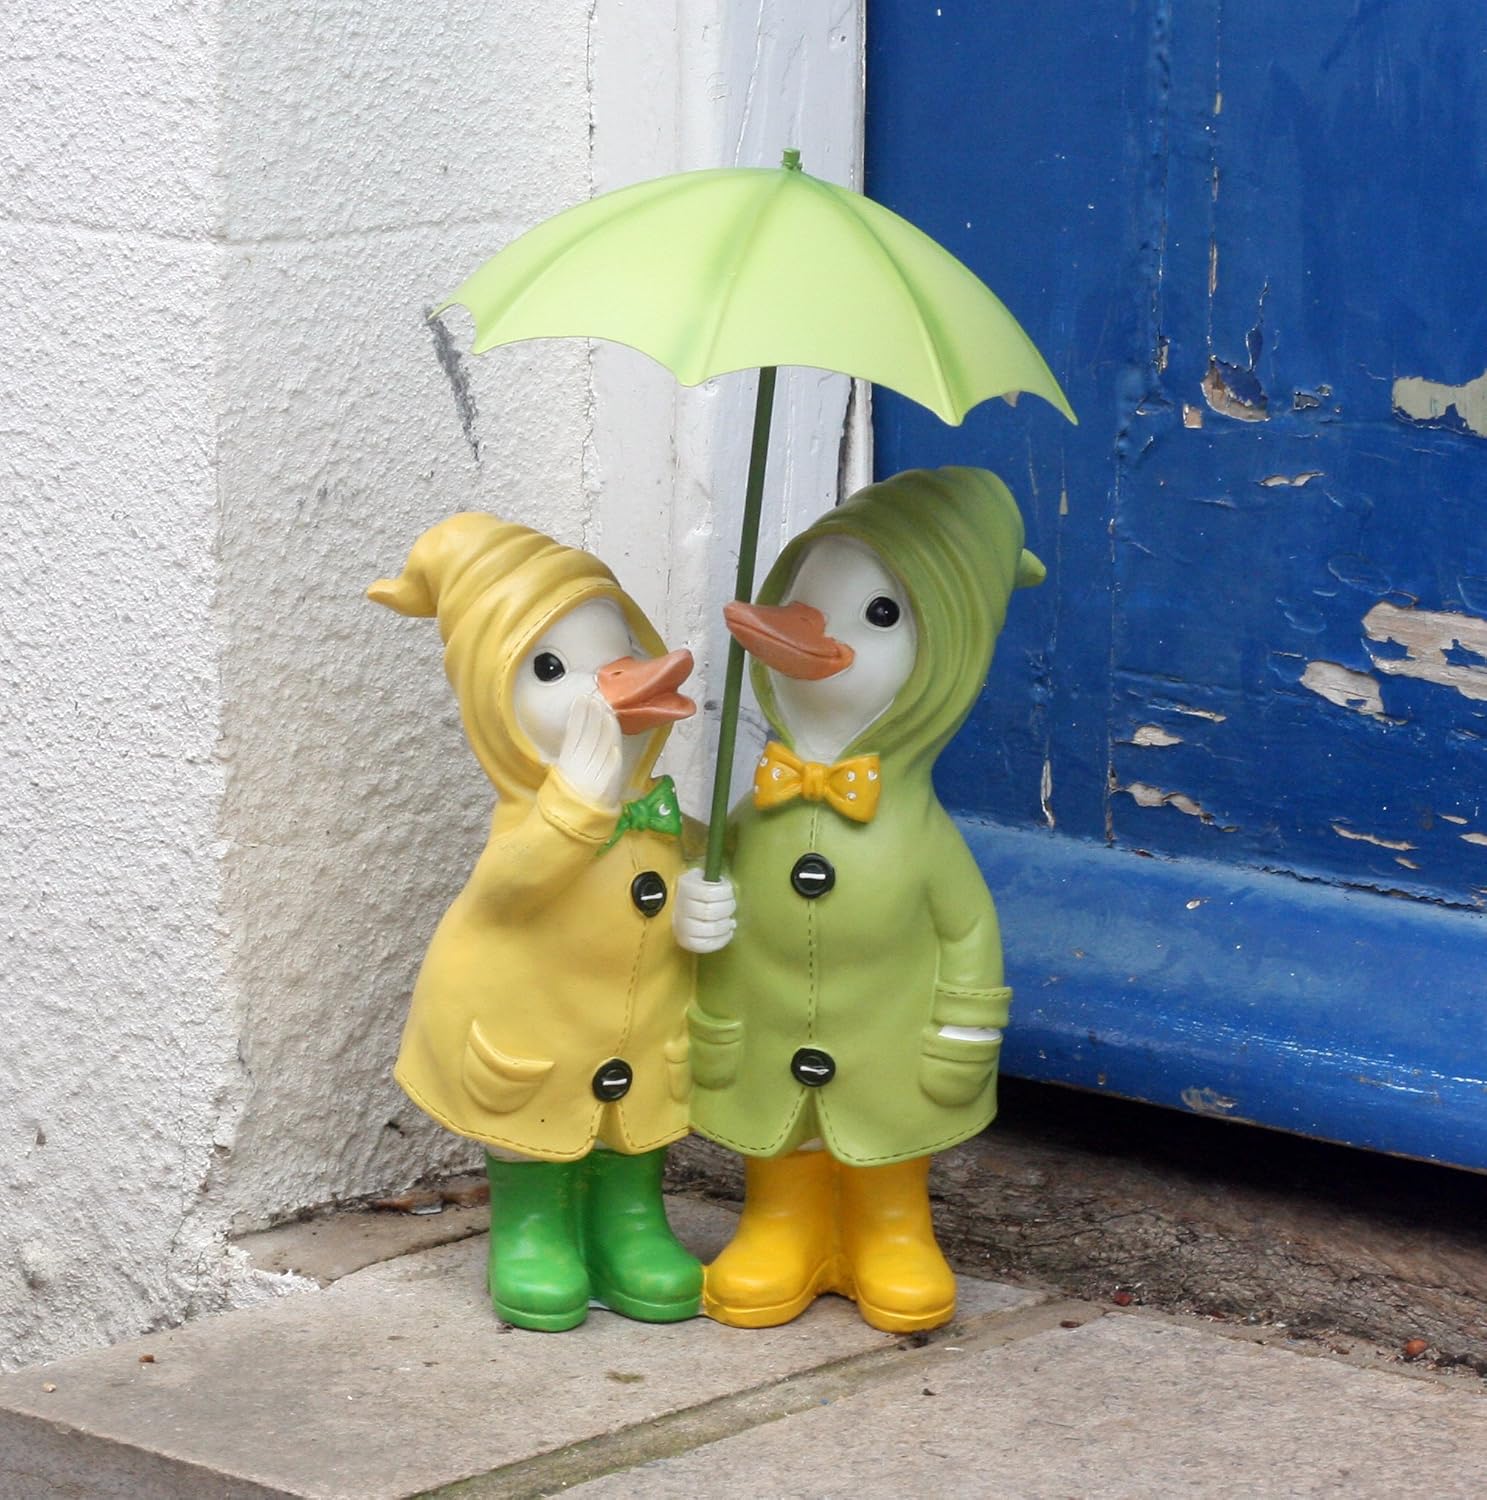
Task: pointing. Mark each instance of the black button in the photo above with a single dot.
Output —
(613, 1080)
(648, 892)
(812, 876)
(813, 1067)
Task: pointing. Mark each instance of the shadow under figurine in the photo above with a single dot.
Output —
(851, 1028)
(548, 1019)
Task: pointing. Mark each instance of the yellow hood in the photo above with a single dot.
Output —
(495, 587)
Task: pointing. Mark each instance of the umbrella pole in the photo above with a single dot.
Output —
(743, 591)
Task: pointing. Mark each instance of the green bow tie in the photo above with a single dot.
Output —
(656, 812)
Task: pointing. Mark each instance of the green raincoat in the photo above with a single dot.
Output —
(906, 940)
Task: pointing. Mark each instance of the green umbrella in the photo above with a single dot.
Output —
(742, 268)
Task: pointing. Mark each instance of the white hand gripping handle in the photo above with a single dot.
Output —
(703, 917)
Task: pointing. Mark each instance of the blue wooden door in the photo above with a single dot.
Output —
(1229, 778)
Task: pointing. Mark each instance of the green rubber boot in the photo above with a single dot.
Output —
(636, 1266)
(536, 1277)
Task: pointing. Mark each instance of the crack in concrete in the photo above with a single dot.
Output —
(712, 1421)
(452, 362)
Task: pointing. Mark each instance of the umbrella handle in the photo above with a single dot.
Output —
(743, 591)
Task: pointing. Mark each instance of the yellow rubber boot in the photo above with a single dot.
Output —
(903, 1282)
(785, 1252)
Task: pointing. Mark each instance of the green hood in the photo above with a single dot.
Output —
(953, 537)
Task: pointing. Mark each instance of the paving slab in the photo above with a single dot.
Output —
(1123, 1408)
(391, 1382)
(334, 1246)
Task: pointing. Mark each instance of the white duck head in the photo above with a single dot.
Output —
(528, 626)
(877, 623)
(839, 646)
(592, 648)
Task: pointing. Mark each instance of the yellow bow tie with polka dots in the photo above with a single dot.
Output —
(850, 787)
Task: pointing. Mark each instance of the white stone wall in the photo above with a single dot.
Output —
(372, 156)
(116, 1029)
(236, 797)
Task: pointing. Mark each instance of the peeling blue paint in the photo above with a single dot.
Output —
(1316, 1010)
(1457, 655)
(1343, 183)
(1342, 186)
(1459, 408)
(1359, 573)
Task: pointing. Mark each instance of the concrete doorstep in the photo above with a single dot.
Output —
(396, 1380)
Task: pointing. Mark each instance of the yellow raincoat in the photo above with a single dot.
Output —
(545, 968)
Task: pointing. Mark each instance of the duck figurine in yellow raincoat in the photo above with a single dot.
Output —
(548, 1019)
(851, 1027)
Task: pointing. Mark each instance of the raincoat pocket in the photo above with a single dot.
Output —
(495, 1081)
(678, 1071)
(715, 1049)
(953, 1071)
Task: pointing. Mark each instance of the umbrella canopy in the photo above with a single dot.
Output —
(711, 272)
(741, 267)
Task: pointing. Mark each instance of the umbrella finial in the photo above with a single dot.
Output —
(791, 161)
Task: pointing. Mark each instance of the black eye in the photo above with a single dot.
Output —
(882, 612)
(546, 667)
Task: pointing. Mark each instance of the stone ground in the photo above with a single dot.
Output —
(1121, 1338)
(1090, 1196)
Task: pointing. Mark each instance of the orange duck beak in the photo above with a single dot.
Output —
(643, 694)
(790, 638)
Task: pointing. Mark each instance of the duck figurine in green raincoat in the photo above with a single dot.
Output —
(850, 1026)
(548, 1021)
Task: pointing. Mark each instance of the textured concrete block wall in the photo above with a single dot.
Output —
(235, 793)
(372, 154)
(116, 1060)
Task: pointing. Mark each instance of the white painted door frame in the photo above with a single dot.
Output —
(678, 85)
